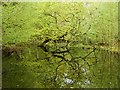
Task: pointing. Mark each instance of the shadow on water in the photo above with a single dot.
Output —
(38, 69)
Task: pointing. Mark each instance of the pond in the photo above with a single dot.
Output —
(78, 68)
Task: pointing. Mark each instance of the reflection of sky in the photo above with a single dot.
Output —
(87, 82)
(68, 81)
(85, 71)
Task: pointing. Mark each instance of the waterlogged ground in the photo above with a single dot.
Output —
(33, 70)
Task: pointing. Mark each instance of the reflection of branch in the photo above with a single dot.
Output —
(73, 58)
(72, 66)
(56, 71)
(55, 52)
(62, 57)
(84, 56)
(95, 58)
(89, 53)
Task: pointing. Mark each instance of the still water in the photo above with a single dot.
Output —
(37, 69)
